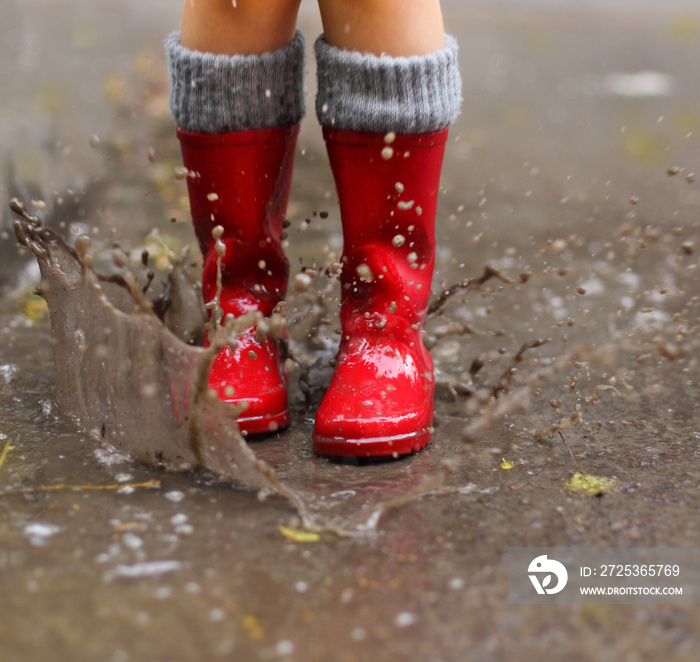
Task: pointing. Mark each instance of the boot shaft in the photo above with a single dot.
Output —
(241, 181)
(388, 191)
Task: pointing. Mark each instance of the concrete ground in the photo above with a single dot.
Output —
(573, 162)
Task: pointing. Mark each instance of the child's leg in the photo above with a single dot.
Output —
(394, 27)
(238, 27)
(385, 119)
(238, 110)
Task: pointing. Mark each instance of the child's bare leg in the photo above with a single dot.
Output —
(394, 27)
(238, 27)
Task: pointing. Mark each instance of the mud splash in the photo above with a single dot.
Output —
(127, 380)
(127, 376)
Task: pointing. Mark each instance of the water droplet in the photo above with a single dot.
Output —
(557, 246)
(217, 615)
(365, 273)
(149, 390)
(405, 619)
(302, 282)
(284, 647)
(82, 245)
(456, 583)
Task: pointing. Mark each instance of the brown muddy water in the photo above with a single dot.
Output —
(569, 181)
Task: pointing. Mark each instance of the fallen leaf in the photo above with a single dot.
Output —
(253, 628)
(299, 536)
(35, 308)
(590, 485)
(4, 453)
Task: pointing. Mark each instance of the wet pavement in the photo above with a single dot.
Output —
(570, 172)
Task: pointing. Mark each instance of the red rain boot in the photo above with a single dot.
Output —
(241, 181)
(380, 399)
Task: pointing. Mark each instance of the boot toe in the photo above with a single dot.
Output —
(338, 433)
(362, 415)
(258, 382)
(264, 412)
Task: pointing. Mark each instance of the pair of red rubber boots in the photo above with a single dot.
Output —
(380, 399)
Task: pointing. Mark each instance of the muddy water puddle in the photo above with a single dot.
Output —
(585, 328)
(610, 314)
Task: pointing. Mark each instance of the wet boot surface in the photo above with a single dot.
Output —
(570, 173)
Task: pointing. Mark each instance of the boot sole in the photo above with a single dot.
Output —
(404, 444)
(263, 424)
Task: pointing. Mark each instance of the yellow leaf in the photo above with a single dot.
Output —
(590, 485)
(114, 87)
(685, 28)
(51, 98)
(644, 147)
(35, 308)
(506, 465)
(299, 536)
(253, 628)
(85, 35)
(4, 453)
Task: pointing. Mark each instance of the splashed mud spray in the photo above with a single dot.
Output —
(128, 381)
(113, 356)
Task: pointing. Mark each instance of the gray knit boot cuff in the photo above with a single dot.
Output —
(379, 93)
(219, 93)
